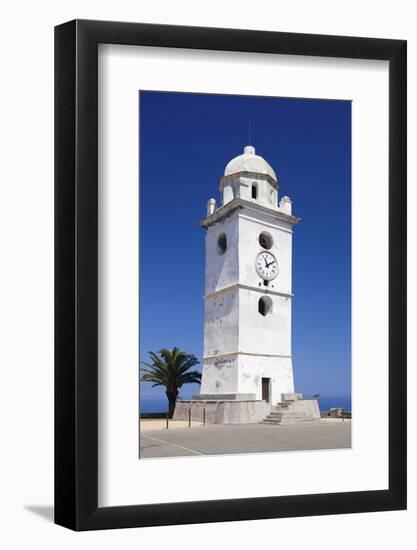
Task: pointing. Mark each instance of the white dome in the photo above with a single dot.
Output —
(249, 162)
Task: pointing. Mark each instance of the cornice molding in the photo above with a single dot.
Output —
(260, 289)
(245, 353)
(239, 203)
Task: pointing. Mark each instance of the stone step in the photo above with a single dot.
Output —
(281, 411)
(287, 414)
(288, 422)
(286, 419)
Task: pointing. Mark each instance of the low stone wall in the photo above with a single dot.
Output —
(222, 412)
(308, 407)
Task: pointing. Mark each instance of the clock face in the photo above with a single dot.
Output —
(266, 266)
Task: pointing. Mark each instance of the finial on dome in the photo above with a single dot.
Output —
(249, 150)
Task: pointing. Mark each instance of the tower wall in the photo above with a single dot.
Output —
(252, 368)
(221, 323)
(269, 335)
(222, 269)
(241, 374)
(220, 375)
(241, 346)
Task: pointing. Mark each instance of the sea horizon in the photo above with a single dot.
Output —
(159, 404)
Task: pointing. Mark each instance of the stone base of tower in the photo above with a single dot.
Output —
(222, 410)
(244, 409)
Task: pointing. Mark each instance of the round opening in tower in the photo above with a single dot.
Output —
(265, 305)
(222, 243)
(265, 240)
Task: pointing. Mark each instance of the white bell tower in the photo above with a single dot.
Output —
(247, 365)
(248, 292)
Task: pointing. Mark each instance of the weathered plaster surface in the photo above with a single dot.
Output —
(222, 412)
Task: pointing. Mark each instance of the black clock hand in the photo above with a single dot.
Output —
(270, 263)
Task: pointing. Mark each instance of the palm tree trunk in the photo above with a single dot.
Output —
(172, 400)
(171, 407)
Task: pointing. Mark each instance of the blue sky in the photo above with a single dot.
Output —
(186, 140)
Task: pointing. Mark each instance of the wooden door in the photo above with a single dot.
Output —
(265, 389)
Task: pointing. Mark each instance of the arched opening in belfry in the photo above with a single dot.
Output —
(222, 243)
(254, 191)
(265, 305)
(265, 240)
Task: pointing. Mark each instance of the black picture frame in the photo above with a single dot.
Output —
(76, 272)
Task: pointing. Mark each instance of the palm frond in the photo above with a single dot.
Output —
(170, 368)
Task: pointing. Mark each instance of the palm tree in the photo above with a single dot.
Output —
(171, 368)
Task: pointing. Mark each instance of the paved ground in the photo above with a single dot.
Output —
(217, 439)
